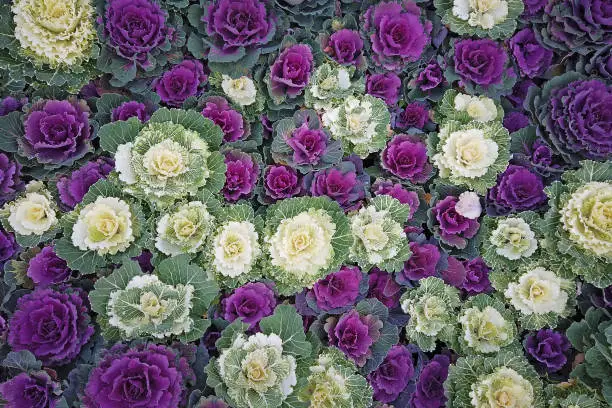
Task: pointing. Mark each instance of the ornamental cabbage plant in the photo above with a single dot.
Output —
(470, 154)
(260, 368)
(167, 304)
(171, 157)
(432, 309)
(305, 239)
(378, 236)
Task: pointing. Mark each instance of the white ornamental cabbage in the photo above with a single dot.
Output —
(302, 244)
(503, 388)
(539, 291)
(185, 230)
(55, 32)
(466, 153)
(256, 369)
(479, 108)
(104, 226)
(240, 90)
(361, 123)
(587, 217)
(149, 307)
(33, 213)
(235, 248)
(481, 13)
(486, 330)
(513, 239)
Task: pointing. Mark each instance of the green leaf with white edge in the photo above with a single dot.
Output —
(117, 280)
(216, 166)
(197, 331)
(11, 130)
(32, 240)
(102, 188)
(398, 211)
(591, 171)
(86, 262)
(178, 271)
(288, 325)
(236, 328)
(117, 133)
(193, 120)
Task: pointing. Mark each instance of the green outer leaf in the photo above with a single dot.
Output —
(398, 211)
(216, 165)
(11, 130)
(117, 280)
(193, 120)
(288, 325)
(117, 133)
(178, 271)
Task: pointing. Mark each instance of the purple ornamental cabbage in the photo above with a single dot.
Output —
(597, 63)
(392, 375)
(338, 289)
(180, 82)
(532, 58)
(8, 245)
(430, 77)
(533, 7)
(519, 92)
(481, 62)
(413, 115)
(577, 25)
(548, 348)
(476, 277)
(384, 288)
(453, 228)
(290, 73)
(130, 109)
(396, 33)
(514, 121)
(308, 145)
(146, 376)
(236, 27)
(281, 182)
(136, 29)
(53, 325)
(385, 86)
(354, 335)
(249, 303)
(429, 392)
(231, 122)
(73, 188)
(422, 263)
(406, 157)
(10, 178)
(575, 117)
(344, 46)
(46, 268)
(240, 176)
(33, 390)
(345, 183)
(10, 104)
(517, 189)
(57, 132)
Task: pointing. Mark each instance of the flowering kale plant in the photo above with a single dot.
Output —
(305, 203)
